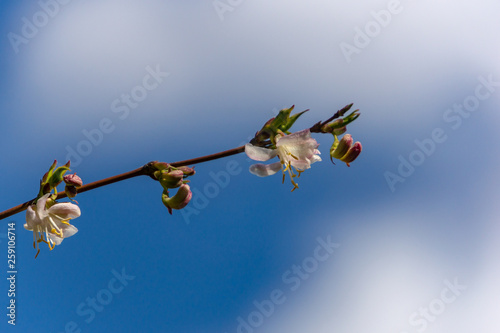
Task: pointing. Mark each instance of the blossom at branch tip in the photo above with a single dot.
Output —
(297, 150)
(50, 225)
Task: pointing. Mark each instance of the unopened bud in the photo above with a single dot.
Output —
(339, 131)
(187, 171)
(339, 149)
(73, 180)
(161, 165)
(352, 153)
(172, 179)
(336, 127)
(70, 191)
(179, 200)
(345, 109)
(328, 128)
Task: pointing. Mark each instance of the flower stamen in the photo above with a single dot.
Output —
(54, 231)
(55, 227)
(288, 167)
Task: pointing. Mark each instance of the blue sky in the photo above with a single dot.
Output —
(412, 225)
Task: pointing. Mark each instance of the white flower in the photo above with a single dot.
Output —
(296, 150)
(53, 222)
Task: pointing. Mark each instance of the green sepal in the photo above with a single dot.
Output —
(57, 176)
(279, 124)
(291, 121)
(48, 174)
(164, 199)
(281, 119)
(334, 147)
(351, 117)
(339, 126)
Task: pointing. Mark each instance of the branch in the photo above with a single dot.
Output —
(148, 169)
(142, 171)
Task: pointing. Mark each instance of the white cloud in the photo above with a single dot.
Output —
(394, 262)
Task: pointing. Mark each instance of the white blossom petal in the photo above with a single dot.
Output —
(65, 210)
(315, 158)
(264, 170)
(55, 239)
(31, 219)
(40, 206)
(259, 153)
(69, 231)
(301, 165)
(297, 138)
(299, 144)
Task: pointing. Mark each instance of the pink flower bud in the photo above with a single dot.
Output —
(70, 191)
(161, 165)
(342, 148)
(172, 179)
(352, 153)
(73, 180)
(179, 200)
(187, 170)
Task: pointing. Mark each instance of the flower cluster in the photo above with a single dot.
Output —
(47, 218)
(299, 150)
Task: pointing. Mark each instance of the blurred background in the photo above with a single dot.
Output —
(405, 240)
